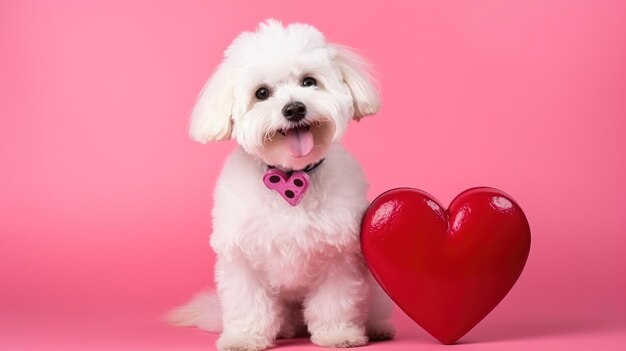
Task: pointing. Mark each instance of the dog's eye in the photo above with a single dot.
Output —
(262, 93)
(309, 82)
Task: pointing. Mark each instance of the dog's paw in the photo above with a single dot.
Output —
(381, 331)
(242, 342)
(339, 337)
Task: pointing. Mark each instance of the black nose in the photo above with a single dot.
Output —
(294, 111)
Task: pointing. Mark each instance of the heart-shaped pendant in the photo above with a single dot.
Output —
(291, 187)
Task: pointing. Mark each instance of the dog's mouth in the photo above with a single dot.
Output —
(301, 139)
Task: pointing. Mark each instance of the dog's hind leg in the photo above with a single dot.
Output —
(379, 326)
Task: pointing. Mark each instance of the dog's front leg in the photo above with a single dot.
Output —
(336, 308)
(250, 315)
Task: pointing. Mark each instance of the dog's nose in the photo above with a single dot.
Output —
(294, 111)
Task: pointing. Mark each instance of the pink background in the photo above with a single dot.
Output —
(104, 202)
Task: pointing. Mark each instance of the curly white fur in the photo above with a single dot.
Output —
(281, 270)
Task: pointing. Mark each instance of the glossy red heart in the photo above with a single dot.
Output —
(447, 269)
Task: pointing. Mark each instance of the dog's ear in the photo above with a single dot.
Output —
(356, 74)
(211, 116)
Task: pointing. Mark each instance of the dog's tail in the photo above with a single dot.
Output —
(203, 311)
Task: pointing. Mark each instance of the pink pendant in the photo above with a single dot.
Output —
(291, 188)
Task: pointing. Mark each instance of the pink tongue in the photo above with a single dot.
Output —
(299, 141)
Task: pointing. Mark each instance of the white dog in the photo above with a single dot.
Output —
(287, 262)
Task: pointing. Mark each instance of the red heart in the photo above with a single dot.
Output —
(447, 269)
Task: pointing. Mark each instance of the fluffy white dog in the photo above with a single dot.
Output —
(287, 263)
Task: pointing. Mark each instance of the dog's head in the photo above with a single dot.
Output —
(284, 94)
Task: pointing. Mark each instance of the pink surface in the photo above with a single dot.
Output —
(104, 202)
